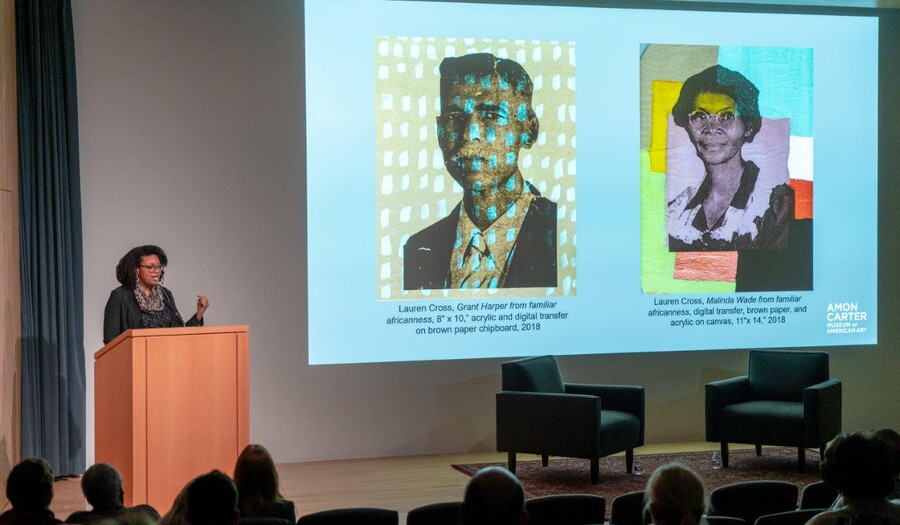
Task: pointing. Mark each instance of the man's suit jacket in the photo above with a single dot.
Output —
(426, 256)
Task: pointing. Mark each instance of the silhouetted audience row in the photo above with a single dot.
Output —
(208, 499)
(863, 467)
(215, 499)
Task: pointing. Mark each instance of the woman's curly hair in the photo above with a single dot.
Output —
(125, 270)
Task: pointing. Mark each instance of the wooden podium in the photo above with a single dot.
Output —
(171, 404)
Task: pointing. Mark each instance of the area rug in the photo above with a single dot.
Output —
(572, 476)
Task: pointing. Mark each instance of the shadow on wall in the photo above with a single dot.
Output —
(459, 424)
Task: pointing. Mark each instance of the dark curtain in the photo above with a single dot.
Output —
(52, 346)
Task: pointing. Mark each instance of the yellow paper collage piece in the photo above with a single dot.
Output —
(665, 94)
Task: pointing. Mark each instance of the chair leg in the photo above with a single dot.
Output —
(724, 454)
(595, 471)
(801, 458)
(511, 460)
(629, 460)
(758, 450)
(545, 459)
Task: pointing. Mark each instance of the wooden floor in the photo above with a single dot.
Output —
(400, 483)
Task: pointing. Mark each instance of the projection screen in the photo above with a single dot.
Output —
(501, 180)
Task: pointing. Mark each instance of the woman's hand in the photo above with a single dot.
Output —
(202, 305)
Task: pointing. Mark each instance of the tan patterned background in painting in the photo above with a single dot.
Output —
(412, 187)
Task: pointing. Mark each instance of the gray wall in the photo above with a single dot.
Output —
(192, 137)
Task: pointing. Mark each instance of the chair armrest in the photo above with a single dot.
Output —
(543, 423)
(545, 406)
(720, 394)
(822, 412)
(626, 398)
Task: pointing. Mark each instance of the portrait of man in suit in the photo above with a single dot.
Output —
(503, 232)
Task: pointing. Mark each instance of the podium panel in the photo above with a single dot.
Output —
(171, 404)
(116, 412)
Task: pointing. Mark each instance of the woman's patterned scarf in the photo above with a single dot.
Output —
(152, 302)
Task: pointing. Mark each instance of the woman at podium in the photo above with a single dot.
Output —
(142, 301)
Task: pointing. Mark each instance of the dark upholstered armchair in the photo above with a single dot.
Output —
(749, 500)
(355, 515)
(566, 509)
(539, 414)
(786, 399)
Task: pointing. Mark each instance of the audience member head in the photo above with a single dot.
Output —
(212, 499)
(256, 480)
(102, 487)
(494, 496)
(132, 516)
(674, 496)
(30, 485)
(891, 439)
(177, 515)
(859, 467)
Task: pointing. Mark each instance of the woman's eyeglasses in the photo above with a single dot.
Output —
(701, 119)
(152, 267)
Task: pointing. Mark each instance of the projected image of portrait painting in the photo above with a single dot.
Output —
(475, 167)
(727, 172)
